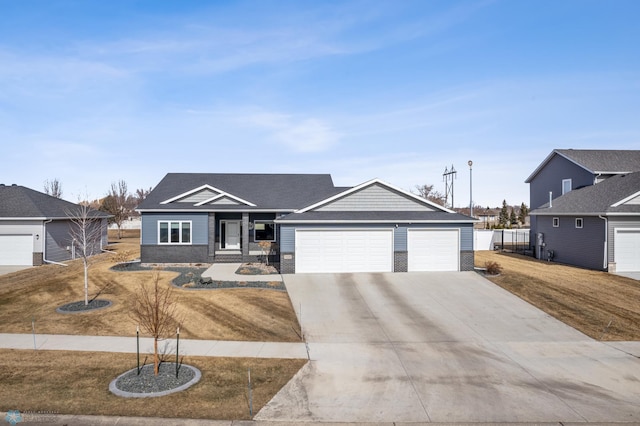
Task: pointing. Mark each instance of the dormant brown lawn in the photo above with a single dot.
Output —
(233, 314)
(601, 305)
(78, 383)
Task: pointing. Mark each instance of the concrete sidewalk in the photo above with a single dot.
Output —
(227, 272)
(213, 348)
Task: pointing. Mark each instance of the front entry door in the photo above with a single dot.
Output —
(232, 235)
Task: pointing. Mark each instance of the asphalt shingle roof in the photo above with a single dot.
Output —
(21, 202)
(605, 161)
(266, 191)
(597, 199)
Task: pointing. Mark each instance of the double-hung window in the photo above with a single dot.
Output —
(174, 232)
(264, 231)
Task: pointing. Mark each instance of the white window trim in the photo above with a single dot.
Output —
(556, 222)
(570, 185)
(581, 223)
(264, 221)
(169, 243)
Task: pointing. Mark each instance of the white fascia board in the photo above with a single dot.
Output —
(204, 210)
(212, 188)
(622, 214)
(624, 200)
(28, 218)
(369, 183)
(185, 194)
(570, 214)
(351, 222)
(546, 160)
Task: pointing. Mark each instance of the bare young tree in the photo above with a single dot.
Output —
(53, 187)
(118, 203)
(141, 194)
(155, 309)
(427, 191)
(86, 236)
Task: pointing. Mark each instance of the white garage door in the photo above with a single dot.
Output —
(16, 250)
(627, 250)
(342, 250)
(433, 249)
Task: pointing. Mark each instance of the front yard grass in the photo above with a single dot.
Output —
(78, 383)
(601, 305)
(221, 314)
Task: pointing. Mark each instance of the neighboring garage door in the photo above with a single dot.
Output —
(433, 249)
(627, 250)
(344, 250)
(16, 250)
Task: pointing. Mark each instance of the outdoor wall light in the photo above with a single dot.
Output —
(37, 236)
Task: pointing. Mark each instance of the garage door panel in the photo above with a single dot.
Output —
(16, 250)
(433, 250)
(335, 250)
(627, 250)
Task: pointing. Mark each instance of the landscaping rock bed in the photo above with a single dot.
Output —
(190, 278)
(78, 307)
(256, 269)
(146, 384)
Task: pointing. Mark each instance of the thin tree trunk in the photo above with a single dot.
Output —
(86, 282)
(156, 363)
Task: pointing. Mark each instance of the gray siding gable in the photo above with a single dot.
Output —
(549, 179)
(375, 197)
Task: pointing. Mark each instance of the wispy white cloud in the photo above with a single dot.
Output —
(299, 134)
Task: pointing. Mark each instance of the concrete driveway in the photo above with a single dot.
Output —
(8, 269)
(446, 347)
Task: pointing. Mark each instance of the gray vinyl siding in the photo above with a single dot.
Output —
(580, 247)
(374, 198)
(549, 179)
(634, 201)
(199, 226)
(199, 197)
(58, 241)
(619, 223)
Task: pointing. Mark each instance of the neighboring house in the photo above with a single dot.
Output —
(35, 227)
(312, 225)
(586, 209)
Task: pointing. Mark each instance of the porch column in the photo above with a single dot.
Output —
(245, 234)
(211, 250)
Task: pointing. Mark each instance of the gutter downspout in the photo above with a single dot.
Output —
(44, 246)
(605, 261)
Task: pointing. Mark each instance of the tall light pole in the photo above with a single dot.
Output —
(470, 163)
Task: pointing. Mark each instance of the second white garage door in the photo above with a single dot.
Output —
(627, 250)
(433, 249)
(16, 250)
(344, 250)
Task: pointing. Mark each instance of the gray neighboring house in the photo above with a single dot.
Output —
(586, 209)
(312, 225)
(35, 227)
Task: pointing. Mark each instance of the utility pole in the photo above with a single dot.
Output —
(447, 178)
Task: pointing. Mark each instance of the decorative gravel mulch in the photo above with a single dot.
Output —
(77, 307)
(191, 278)
(256, 269)
(146, 384)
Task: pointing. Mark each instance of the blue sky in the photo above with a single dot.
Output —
(96, 91)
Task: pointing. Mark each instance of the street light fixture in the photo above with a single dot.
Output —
(470, 163)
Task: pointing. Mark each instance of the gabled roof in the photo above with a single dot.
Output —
(609, 197)
(386, 204)
(237, 191)
(347, 192)
(19, 202)
(596, 161)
